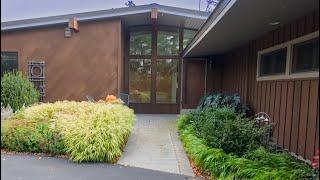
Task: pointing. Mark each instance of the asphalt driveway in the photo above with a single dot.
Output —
(30, 167)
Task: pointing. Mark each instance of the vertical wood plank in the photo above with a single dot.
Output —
(263, 96)
(316, 147)
(310, 24)
(259, 96)
(295, 117)
(290, 95)
(312, 118)
(272, 100)
(277, 110)
(293, 30)
(316, 20)
(303, 117)
(301, 26)
(268, 89)
(282, 118)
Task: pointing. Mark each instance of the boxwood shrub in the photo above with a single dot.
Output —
(85, 131)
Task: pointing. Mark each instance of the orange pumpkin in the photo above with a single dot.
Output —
(110, 98)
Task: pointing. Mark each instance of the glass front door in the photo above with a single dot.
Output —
(153, 63)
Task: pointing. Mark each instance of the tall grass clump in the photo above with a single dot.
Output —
(84, 131)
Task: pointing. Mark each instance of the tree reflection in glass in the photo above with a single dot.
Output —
(167, 80)
(140, 80)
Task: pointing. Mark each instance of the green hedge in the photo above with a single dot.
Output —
(17, 90)
(257, 164)
(84, 131)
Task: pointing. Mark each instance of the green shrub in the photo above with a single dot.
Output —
(30, 136)
(219, 100)
(17, 90)
(84, 131)
(223, 128)
(258, 164)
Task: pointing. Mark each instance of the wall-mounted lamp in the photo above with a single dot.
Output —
(73, 24)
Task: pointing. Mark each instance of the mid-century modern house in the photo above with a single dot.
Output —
(167, 58)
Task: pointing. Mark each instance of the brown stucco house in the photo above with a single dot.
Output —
(167, 58)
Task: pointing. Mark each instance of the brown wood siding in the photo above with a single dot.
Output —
(88, 63)
(193, 82)
(292, 104)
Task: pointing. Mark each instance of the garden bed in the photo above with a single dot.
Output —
(228, 146)
(83, 131)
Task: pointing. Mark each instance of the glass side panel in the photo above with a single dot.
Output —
(273, 63)
(306, 56)
(140, 43)
(167, 81)
(140, 80)
(188, 36)
(168, 43)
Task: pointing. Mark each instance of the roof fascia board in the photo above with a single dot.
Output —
(66, 20)
(200, 35)
(107, 14)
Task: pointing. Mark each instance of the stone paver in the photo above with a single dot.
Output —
(154, 144)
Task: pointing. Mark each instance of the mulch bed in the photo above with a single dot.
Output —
(8, 152)
(198, 171)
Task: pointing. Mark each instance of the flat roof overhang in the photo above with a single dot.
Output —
(235, 22)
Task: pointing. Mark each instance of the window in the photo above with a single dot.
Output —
(140, 43)
(167, 80)
(298, 58)
(9, 62)
(140, 80)
(168, 43)
(188, 36)
(306, 56)
(273, 63)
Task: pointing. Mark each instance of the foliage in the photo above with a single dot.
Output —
(17, 90)
(218, 100)
(258, 164)
(223, 128)
(85, 131)
(30, 136)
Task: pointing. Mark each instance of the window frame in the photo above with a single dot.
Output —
(15, 52)
(288, 71)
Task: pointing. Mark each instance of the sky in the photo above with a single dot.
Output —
(25, 9)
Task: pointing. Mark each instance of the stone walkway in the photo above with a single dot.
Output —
(154, 144)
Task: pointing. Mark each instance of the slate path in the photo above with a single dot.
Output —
(154, 144)
(30, 167)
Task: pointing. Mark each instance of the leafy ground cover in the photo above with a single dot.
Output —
(84, 131)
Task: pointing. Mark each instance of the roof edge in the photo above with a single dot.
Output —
(101, 14)
(215, 16)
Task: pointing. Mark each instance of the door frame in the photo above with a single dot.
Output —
(153, 107)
